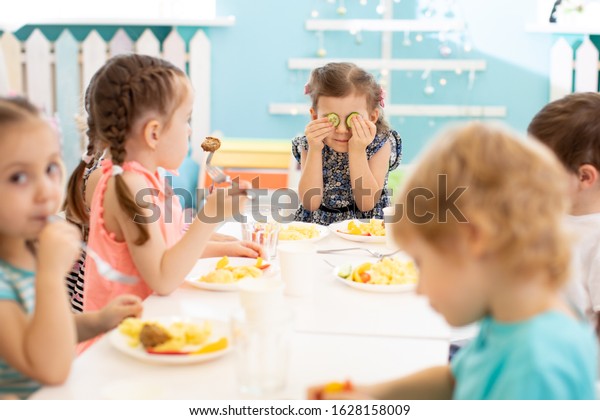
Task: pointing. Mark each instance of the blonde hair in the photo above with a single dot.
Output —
(515, 194)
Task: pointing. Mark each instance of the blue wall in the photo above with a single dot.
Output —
(250, 71)
(250, 64)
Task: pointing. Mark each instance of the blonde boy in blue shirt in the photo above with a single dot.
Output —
(500, 256)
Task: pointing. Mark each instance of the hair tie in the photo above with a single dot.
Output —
(117, 170)
(307, 89)
(381, 98)
(86, 158)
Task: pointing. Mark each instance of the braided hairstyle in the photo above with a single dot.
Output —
(74, 205)
(121, 91)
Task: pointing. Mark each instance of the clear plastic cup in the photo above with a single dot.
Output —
(262, 352)
(261, 228)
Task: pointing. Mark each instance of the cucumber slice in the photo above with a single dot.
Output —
(333, 119)
(349, 119)
(345, 271)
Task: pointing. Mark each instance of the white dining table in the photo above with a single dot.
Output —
(339, 333)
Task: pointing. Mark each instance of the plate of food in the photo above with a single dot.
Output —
(302, 232)
(223, 274)
(172, 340)
(388, 275)
(369, 230)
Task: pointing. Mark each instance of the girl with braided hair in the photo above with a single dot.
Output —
(138, 111)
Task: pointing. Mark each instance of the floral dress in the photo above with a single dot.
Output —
(338, 203)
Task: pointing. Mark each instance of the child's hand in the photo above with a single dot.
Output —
(59, 246)
(117, 310)
(363, 133)
(245, 249)
(316, 131)
(221, 204)
(337, 391)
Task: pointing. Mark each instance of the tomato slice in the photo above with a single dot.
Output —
(264, 266)
(167, 352)
(365, 277)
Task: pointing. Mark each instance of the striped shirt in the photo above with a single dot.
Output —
(19, 286)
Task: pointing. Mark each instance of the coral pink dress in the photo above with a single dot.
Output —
(98, 290)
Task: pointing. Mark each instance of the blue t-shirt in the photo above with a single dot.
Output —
(549, 356)
(19, 286)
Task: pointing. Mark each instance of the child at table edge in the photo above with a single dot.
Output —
(503, 265)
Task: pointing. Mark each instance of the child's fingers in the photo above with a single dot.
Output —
(320, 134)
(252, 250)
(344, 395)
(318, 126)
(314, 392)
(360, 127)
(130, 300)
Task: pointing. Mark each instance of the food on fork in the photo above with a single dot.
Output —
(374, 227)
(211, 144)
(298, 232)
(388, 271)
(225, 273)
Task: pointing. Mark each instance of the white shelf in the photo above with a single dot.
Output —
(556, 28)
(217, 21)
(394, 64)
(385, 25)
(408, 110)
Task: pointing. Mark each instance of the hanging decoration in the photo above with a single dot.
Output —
(341, 10)
(449, 41)
(429, 89)
(321, 51)
(406, 40)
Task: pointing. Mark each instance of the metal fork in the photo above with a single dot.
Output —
(374, 253)
(104, 269)
(217, 175)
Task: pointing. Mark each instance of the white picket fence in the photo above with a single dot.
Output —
(54, 75)
(566, 75)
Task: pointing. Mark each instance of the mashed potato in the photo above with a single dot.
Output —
(388, 271)
(373, 228)
(298, 232)
(182, 334)
(225, 273)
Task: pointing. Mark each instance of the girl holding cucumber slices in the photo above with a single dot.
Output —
(348, 148)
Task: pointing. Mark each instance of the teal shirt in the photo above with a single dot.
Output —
(19, 286)
(549, 356)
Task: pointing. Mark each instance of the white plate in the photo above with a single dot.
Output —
(219, 329)
(343, 226)
(206, 265)
(377, 288)
(323, 232)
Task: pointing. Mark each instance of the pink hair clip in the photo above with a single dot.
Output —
(381, 98)
(307, 89)
(86, 158)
